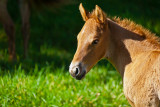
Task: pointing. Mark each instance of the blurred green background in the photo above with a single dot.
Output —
(43, 79)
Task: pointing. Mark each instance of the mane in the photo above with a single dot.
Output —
(138, 29)
(133, 27)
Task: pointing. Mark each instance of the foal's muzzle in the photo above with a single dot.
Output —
(77, 71)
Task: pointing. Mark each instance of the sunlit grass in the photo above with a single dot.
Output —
(48, 87)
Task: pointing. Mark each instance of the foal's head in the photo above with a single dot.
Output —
(92, 42)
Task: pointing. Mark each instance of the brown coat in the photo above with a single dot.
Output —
(133, 51)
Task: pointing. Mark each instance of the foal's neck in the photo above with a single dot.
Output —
(124, 46)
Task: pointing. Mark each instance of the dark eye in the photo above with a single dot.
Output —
(95, 42)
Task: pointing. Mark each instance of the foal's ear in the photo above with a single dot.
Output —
(83, 12)
(100, 15)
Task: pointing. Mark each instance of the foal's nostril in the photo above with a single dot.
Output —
(77, 72)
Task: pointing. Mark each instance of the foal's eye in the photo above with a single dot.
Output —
(95, 41)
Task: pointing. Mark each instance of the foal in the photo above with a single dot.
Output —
(133, 51)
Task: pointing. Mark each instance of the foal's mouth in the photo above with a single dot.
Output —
(81, 75)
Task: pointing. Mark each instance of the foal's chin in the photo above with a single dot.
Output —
(81, 76)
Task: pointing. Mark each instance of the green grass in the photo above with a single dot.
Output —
(43, 79)
(54, 87)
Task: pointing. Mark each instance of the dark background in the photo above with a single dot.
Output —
(54, 29)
